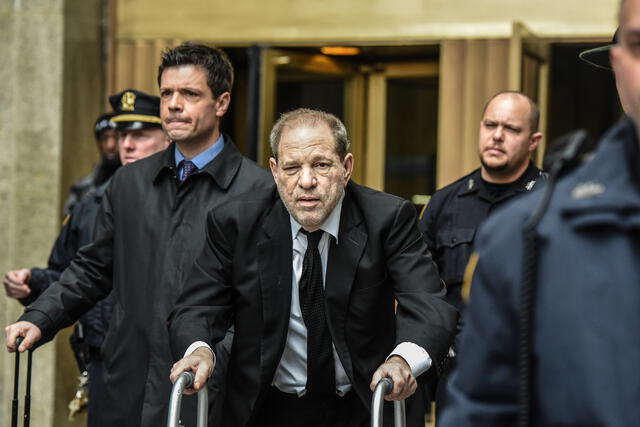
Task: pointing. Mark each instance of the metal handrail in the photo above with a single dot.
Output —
(185, 380)
(384, 387)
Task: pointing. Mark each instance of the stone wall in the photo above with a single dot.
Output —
(52, 91)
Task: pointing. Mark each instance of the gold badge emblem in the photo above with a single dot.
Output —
(128, 101)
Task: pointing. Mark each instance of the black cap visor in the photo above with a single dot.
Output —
(123, 126)
(136, 122)
(598, 57)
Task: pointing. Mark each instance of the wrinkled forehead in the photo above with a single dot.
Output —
(306, 139)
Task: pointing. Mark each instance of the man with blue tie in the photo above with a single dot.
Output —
(150, 228)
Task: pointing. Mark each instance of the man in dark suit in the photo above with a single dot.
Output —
(148, 232)
(309, 273)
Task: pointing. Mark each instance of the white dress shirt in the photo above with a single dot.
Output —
(291, 374)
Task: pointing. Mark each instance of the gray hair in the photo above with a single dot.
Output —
(312, 118)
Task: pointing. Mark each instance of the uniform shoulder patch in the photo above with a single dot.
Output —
(587, 189)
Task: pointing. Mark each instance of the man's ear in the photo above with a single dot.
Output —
(273, 165)
(222, 104)
(348, 166)
(535, 140)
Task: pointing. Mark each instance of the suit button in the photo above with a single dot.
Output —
(454, 240)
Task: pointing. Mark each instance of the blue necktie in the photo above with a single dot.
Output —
(188, 167)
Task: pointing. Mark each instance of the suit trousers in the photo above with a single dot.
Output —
(281, 409)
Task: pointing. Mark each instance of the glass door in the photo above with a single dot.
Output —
(402, 128)
(529, 72)
(390, 110)
(293, 79)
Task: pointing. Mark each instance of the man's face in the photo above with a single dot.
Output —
(625, 59)
(309, 173)
(137, 144)
(505, 140)
(108, 144)
(188, 109)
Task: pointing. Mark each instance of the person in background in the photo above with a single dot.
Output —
(106, 141)
(507, 137)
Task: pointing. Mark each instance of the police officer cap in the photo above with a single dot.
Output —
(135, 110)
(103, 123)
(599, 56)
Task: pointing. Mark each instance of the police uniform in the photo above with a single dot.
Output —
(101, 172)
(450, 220)
(587, 308)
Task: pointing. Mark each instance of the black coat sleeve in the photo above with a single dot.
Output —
(423, 316)
(63, 251)
(203, 310)
(86, 280)
(428, 224)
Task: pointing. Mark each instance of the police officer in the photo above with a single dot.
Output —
(105, 137)
(139, 134)
(586, 310)
(508, 135)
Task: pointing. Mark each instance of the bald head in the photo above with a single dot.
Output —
(533, 115)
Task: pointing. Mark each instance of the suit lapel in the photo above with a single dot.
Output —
(275, 270)
(342, 265)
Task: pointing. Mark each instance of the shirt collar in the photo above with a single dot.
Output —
(203, 158)
(525, 182)
(330, 225)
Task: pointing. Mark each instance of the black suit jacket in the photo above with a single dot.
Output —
(244, 275)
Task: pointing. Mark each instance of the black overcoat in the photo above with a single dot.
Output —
(148, 232)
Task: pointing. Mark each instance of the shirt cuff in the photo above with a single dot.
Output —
(196, 345)
(416, 357)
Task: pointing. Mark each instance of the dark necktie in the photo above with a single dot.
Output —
(320, 370)
(188, 167)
